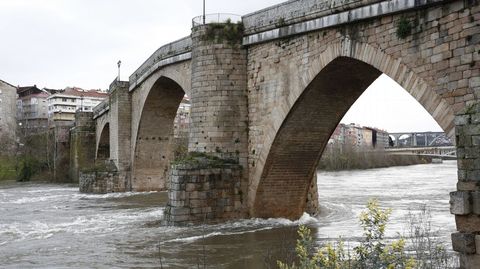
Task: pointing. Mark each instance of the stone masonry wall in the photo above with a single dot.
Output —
(219, 97)
(219, 121)
(120, 130)
(465, 203)
(103, 178)
(82, 144)
(203, 195)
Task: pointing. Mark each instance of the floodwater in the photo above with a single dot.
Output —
(55, 226)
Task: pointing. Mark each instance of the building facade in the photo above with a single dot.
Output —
(32, 109)
(63, 105)
(357, 136)
(182, 119)
(8, 97)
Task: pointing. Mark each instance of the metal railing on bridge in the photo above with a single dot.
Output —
(216, 18)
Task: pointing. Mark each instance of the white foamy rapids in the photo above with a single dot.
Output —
(86, 196)
(92, 224)
(36, 199)
(246, 226)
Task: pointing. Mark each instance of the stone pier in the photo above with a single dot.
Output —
(204, 190)
(465, 202)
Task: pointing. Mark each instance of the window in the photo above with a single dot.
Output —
(64, 99)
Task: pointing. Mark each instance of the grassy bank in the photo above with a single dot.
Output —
(7, 168)
(337, 158)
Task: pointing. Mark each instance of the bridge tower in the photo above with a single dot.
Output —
(208, 184)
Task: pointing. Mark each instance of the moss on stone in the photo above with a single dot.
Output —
(404, 28)
(199, 160)
(230, 32)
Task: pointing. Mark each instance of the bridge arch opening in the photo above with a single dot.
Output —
(103, 151)
(154, 145)
(291, 162)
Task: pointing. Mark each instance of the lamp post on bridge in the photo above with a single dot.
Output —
(119, 63)
(203, 12)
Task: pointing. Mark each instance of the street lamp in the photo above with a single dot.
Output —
(119, 63)
(203, 11)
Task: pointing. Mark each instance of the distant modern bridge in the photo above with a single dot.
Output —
(419, 139)
(267, 94)
(444, 153)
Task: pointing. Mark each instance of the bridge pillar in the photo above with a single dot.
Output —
(120, 131)
(82, 144)
(218, 139)
(465, 202)
(219, 111)
(114, 173)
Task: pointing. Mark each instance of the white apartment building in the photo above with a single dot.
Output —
(62, 106)
(182, 119)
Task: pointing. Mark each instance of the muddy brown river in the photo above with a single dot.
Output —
(55, 226)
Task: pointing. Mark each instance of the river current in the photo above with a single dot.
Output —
(55, 226)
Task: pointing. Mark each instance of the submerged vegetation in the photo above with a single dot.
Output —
(420, 249)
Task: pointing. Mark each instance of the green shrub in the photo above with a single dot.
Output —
(404, 28)
(232, 33)
(373, 251)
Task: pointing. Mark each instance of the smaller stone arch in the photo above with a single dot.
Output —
(153, 143)
(103, 145)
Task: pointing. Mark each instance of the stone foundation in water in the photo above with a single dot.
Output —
(102, 179)
(199, 193)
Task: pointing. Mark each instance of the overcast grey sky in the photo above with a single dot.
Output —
(59, 43)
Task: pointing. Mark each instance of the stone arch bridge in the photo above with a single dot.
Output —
(266, 95)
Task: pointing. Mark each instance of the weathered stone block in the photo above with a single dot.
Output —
(195, 203)
(190, 187)
(462, 119)
(468, 185)
(472, 152)
(476, 202)
(463, 243)
(176, 195)
(460, 203)
(469, 261)
(198, 195)
(462, 175)
(176, 211)
(476, 140)
(468, 223)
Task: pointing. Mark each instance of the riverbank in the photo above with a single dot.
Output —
(336, 159)
(7, 169)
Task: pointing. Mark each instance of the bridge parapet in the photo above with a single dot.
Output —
(302, 16)
(176, 51)
(296, 11)
(101, 108)
(216, 18)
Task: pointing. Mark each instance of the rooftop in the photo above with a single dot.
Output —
(78, 92)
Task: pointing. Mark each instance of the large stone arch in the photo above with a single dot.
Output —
(153, 132)
(303, 120)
